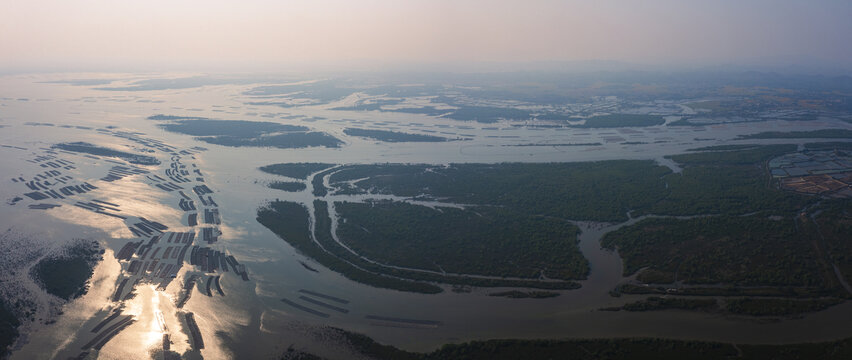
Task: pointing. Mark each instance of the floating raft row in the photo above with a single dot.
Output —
(211, 216)
(401, 322)
(144, 228)
(101, 339)
(143, 250)
(209, 260)
(36, 195)
(223, 261)
(213, 281)
(197, 341)
(307, 267)
(37, 185)
(324, 296)
(79, 189)
(172, 252)
(51, 164)
(187, 287)
(101, 324)
(206, 258)
(182, 254)
(119, 172)
(218, 285)
(41, 186)
(155, 224)
(169, 186)
(55, 174)
(208, 202)
(105, 203)
(181, 237)
(119, 290)
(152, 266)
(167, 252)
(99, 208)
(210, 235)
(201, 190)
(14, 147)
(323, 304)
(186, 205)
(42, 206)
(134, 267)
(41, 158)
(127, 250)
(131, 294)
(304, 308)
(176, 175)
(209, 282)
(238, 268)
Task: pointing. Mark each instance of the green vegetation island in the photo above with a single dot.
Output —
(491, 241)
(235, 128)
(290, 221)
(452, 109)
(246, 133)
(787, 246)
(812, 134)
(759, 307)
(392, 136)
(557, 144)
(65, 275)
(700, 250)
(288, 186)
(720, 229)
(590, 349)
(9, 324)
(711, 183)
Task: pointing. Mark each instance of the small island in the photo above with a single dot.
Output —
(392, 136)
(238, 133)
(87, 148)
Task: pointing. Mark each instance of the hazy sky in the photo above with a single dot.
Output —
(258, 33)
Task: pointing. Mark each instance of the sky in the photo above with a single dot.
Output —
(266, 34)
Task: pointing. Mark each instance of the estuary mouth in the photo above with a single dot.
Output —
(425, 180)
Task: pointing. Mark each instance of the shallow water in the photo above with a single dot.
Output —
(252, 312)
